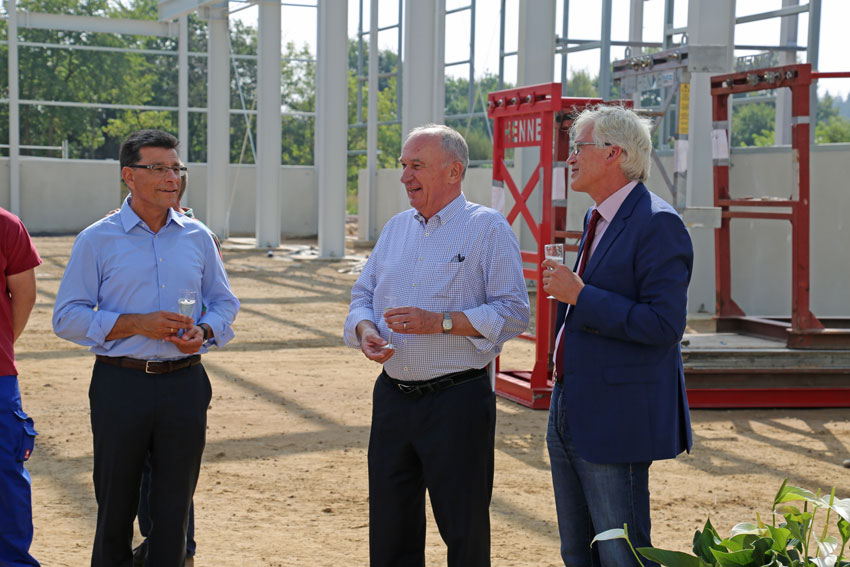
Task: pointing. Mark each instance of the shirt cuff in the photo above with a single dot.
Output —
(487, 322)
(222, 332)
(351, 322)
(100, 327)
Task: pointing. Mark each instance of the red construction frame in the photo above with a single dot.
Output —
(526, 117)
(804, 330)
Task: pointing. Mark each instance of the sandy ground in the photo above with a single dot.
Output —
(284, 477)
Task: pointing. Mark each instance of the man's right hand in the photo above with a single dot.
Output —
(372, 344)
(156, 325)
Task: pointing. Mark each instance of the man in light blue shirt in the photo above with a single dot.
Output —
(149, 392)
(445, 282)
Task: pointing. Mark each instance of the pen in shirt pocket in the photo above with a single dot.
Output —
(459, 258)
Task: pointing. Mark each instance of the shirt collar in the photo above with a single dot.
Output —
(609, 207)
(447, 212)
(129, 218)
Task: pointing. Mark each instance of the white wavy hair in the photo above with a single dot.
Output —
(451, 142)
(621, 127)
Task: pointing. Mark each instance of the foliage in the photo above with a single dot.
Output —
(795, 542)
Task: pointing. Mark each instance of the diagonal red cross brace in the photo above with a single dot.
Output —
(520, 205)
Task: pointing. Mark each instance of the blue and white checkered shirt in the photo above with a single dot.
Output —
(464, 258)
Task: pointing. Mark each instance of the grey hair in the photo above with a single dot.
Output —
(621, 127)
(451, 142)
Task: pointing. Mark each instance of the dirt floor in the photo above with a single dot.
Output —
(284, 476)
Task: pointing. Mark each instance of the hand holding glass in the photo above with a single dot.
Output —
(554, 252)
(186, 302)
(390, 302)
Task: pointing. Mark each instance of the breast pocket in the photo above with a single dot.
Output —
(447, 281)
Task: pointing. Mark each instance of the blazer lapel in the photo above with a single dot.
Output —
(618, 223)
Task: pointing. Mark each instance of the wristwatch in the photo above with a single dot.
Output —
(206, 331)
(447, 322)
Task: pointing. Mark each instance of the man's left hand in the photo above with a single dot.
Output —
(561, 282)
(190, 342)
(414, 321)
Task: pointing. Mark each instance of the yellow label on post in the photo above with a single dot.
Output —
(684, 108)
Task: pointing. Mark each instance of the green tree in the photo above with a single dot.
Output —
(833, 131)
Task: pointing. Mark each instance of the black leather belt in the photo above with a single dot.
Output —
(150, 366)
(419, 388)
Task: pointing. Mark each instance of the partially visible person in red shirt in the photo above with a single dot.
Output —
(18, 259)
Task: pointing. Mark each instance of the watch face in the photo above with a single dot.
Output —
(447, 322)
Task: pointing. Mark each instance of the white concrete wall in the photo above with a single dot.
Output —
(65, 196)
(61, 197)
(761, 253)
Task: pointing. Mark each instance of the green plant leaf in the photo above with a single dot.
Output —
(705, 541)
(670, 558)
(780, 538)
(743, 557)
(844, 529)
(787, 509)
(788, 493)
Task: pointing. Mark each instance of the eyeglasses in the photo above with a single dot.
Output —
(576, 147)
(162, 170)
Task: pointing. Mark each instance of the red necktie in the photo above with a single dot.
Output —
(588, 243)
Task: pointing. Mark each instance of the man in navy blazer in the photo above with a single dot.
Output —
(618, 401)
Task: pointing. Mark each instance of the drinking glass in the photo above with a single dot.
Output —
(186, 302)
(390, 302)
(554, 252)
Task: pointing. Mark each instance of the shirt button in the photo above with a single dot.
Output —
(160, 259)
(427, 234)
(405, 368)
(414, 285)
(404, 341)
(163, 285)
(420, 259)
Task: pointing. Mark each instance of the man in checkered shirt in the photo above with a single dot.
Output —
(445, 280)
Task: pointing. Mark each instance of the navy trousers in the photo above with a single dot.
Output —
(442, 442)
(134, 414)
(17, 438)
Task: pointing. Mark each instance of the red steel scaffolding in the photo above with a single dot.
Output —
(804, 330)
(535, 117)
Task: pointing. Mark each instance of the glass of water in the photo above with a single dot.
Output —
(186, 302)
(390, 302)
(554, 252)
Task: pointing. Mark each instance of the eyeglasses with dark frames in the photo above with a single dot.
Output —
(162, 170)
(575, 148)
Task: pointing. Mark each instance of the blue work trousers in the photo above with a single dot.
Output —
(591, 498)
(17, 439)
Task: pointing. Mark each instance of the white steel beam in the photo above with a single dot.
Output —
(787, 36)
(711, 37)
(534, 66)
(268, 125)
(218, 122)
(183, 88)
(424, 73)
(14, 119)
(35, 20)
(173, 9)
(332, 124)
(367, 217)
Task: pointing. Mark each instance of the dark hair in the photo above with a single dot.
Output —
(129, 152)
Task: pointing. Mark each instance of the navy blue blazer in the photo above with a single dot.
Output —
(624, 384)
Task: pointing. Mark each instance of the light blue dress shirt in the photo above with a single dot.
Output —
(118, 266)
(465, 258)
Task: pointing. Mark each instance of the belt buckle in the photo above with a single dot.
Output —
(147, 367)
